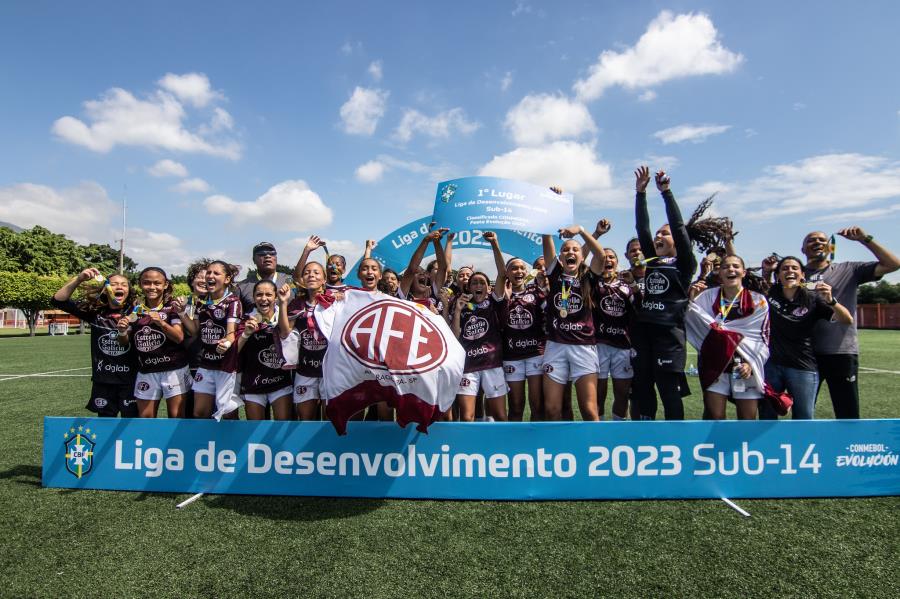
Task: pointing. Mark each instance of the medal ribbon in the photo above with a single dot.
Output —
(565, 292)
(723, 311)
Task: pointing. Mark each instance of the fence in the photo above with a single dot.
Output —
(878, 316)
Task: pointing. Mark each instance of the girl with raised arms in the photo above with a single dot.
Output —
(658, 331)
(263, 381)
(335, 264)
(154, 327)
(571, 353)
(216, 323)
(477, 323)
(369, 274)
(113, 365)
(415, 284)
(524, 338)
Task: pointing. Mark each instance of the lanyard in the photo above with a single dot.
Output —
(723, 312)
(211, 302)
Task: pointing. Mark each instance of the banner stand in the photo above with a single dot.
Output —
(736, 507)
(189, 500)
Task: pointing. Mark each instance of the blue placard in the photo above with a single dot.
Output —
(628, 460)
(492, 204)
(396, 248)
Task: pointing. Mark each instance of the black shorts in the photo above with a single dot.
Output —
(111, 400)
(666, 346)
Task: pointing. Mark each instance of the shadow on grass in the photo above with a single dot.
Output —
(305, 509)
(24, 474)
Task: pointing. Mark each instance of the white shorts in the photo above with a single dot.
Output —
(614, 362)
(517, 370)
(724, 383)
(306, 388)
(564, 362)
(265, 399)
(153, 385)
(214, 382)
(491, 381)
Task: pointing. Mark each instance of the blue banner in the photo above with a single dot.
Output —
(492, 204)
(395, 249)
(521, 461)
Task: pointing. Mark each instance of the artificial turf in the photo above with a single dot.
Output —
(59, 542)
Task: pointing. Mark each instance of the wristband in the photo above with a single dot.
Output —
(227, 344)
(868, 239)
(833, 301)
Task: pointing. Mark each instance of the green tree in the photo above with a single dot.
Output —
(41, 251)
(29, 292)
(880, 293)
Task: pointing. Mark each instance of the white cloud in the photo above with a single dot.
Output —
(291, 205)
(816, 185)
(858, 215)
(221, 120)
(150, 248)
(361, 113)
(376, 70)
(673, 46)
(506, 81)
(348, 48)
(571, 165)
(81, 212)
(370, 172)
(656, 162)
(540, 118)
(750, 132)
(156, 122)
(168, 168)
(692, 133)
(439, 126)
(191, 88)
(194, 185)
(647, 96)
(521, 8)
(373, 170)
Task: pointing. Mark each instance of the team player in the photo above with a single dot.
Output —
(658, 331)
(415, 284)
(216, 324)
(263, 381)
(570, 354)
(303, 345)
(524, 338)
(113, 366)
(613, 312)
(477, 322)
(154, 328)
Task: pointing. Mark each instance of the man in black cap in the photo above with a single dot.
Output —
(266, 259)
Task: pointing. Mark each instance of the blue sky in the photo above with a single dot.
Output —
(230, 123)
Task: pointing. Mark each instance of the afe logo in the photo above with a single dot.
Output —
(393, 336)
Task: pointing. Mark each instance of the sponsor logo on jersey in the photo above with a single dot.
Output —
(218, 313)
(148, 339)
(800, 311)
(393, 336)
(270, 358)
(79, 443)
(211, 333)
(300, 390)
(574, 302)
(198, 377)
(476, 327)
(309, 342)
(613, 305)
(109, 344)
(656, 283)
(548, 368)
(519, 318)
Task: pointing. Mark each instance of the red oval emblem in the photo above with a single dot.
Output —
(393, 336)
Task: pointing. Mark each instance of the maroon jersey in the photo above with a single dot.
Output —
(613, 311)
(113, 363)
(313, 343)
(260, 363)
(213, 320)
(568, 319)
(336, 288)
(523, 324)
(480, 334)
(155, 351)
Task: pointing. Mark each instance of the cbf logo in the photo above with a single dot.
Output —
(447, 192)
(79, 444)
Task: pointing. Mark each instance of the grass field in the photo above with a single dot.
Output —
(90, 543)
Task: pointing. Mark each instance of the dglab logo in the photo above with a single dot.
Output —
(392, 336)
(79, 450)
(147, 339)
(574, 302)
(475, 328)
(613, 305)
(270, 358)
(109, 344)
(656, 283)
(519, 318)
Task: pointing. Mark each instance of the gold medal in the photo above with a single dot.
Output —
(563, 312)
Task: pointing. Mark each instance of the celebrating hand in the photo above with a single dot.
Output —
(570, 231)
(824, 291)
(490, 237)
(122, 325)
(853, 233)
(250, 327)
(222, 346)
(662, 181)
(370, 244)
(87, 274)
(641, 178)
(769, 264)
(696, 289)
(603, 226)
(314, 243)
(556, 189)
(284, 294)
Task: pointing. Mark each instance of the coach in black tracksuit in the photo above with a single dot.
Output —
(658, 331)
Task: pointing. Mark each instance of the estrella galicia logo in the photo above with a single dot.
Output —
(79, 450)
(447, 192)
